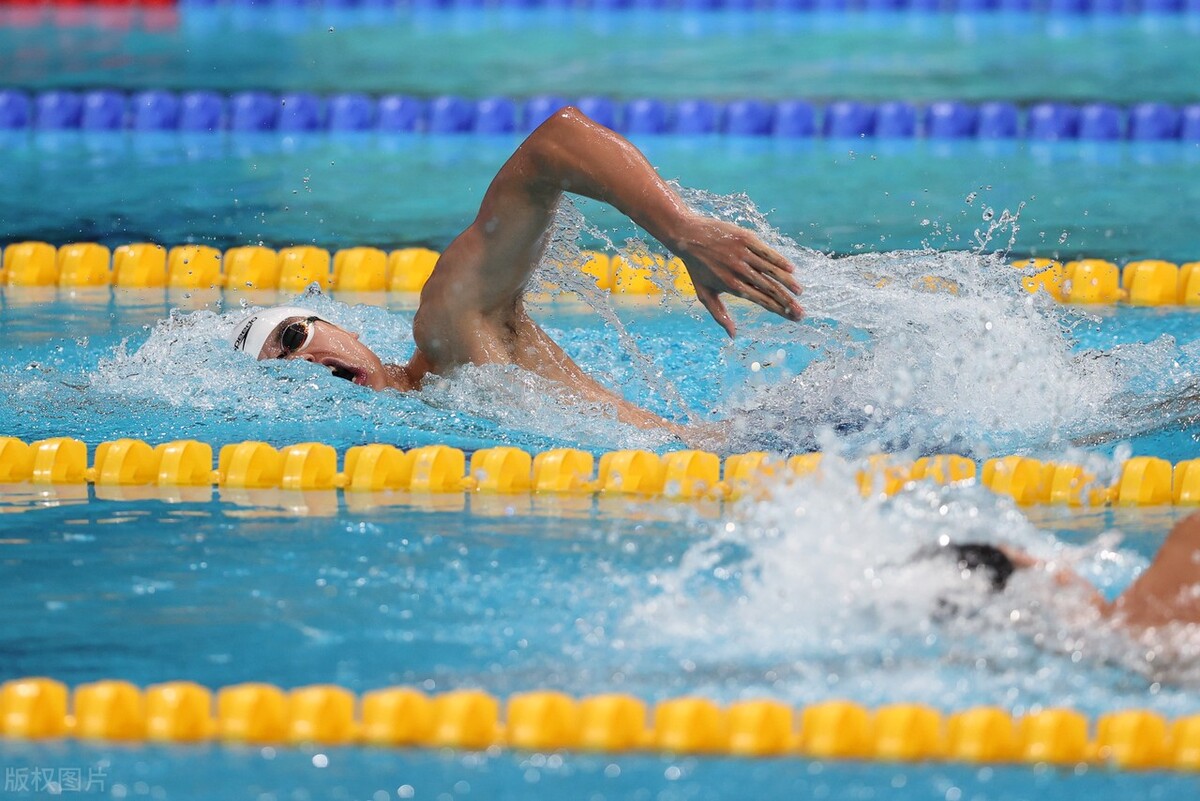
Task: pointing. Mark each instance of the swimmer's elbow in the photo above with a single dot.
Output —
(565, 127)
(548, 162)
(566, 119)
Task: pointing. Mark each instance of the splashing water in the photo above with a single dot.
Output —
(815, 591)
(942, 351)
(186, 369)
(812, 589)
(558, 268)
(924, 351)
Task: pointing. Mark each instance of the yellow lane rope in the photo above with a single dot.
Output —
(143, 265)
(678, 475)
(182, 711)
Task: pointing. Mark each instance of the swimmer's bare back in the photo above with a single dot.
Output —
(472, 308)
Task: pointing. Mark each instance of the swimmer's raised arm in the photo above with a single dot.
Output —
(472, 309)
(489, 264)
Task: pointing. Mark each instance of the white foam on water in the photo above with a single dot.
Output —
(927, 350)
(186, 364)
(936, 350)
(815, 591)
(913, 350)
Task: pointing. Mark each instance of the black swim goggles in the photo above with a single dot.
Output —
(296, 336)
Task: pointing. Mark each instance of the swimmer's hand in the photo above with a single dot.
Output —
(723, 257)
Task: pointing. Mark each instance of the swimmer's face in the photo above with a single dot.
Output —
(334, 348)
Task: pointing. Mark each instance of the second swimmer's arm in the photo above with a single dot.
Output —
(1169, 590)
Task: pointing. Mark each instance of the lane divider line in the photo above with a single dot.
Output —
(378, 10)
(1059, 8)
(36, 708)
(143, 265)
(677, 475)
(305, 113)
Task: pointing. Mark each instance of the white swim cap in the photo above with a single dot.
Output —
(251, 333)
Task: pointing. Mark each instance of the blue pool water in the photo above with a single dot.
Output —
(657, 54)
(586, 596)
(1105, 200)
(377, 775)
(803, 595)
(510, 594)
(583, 595)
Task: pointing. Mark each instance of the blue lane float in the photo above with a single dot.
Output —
(155, 111)
(601, 109)
(202, 111)
(303, 113)
(998, 121)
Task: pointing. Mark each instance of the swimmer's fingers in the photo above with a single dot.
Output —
(783, 278)
(763, 278)
(755, 286)
(780, 274)
(755, 295)
(769, 254)
(716, 307)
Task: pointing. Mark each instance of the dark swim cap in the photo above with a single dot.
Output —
(976, 559)
(991, 562)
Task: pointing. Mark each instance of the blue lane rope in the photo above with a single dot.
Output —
(1103, 7)
(302, 112)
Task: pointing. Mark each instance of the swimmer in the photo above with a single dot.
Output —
(472, 308)
(1167, 592)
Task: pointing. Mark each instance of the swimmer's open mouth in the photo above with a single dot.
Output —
(347, 373)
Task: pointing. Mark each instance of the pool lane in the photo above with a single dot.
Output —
(1105, 200)
(668, 55)
(199, 773)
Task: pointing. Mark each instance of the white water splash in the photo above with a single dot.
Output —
(187, 362)
(925, 351)
(938, 351)
(186, 366)
(815, 591)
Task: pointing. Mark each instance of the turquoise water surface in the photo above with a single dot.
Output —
(1106, 200)
(377, 775)
(477, 52)
(808, 593)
